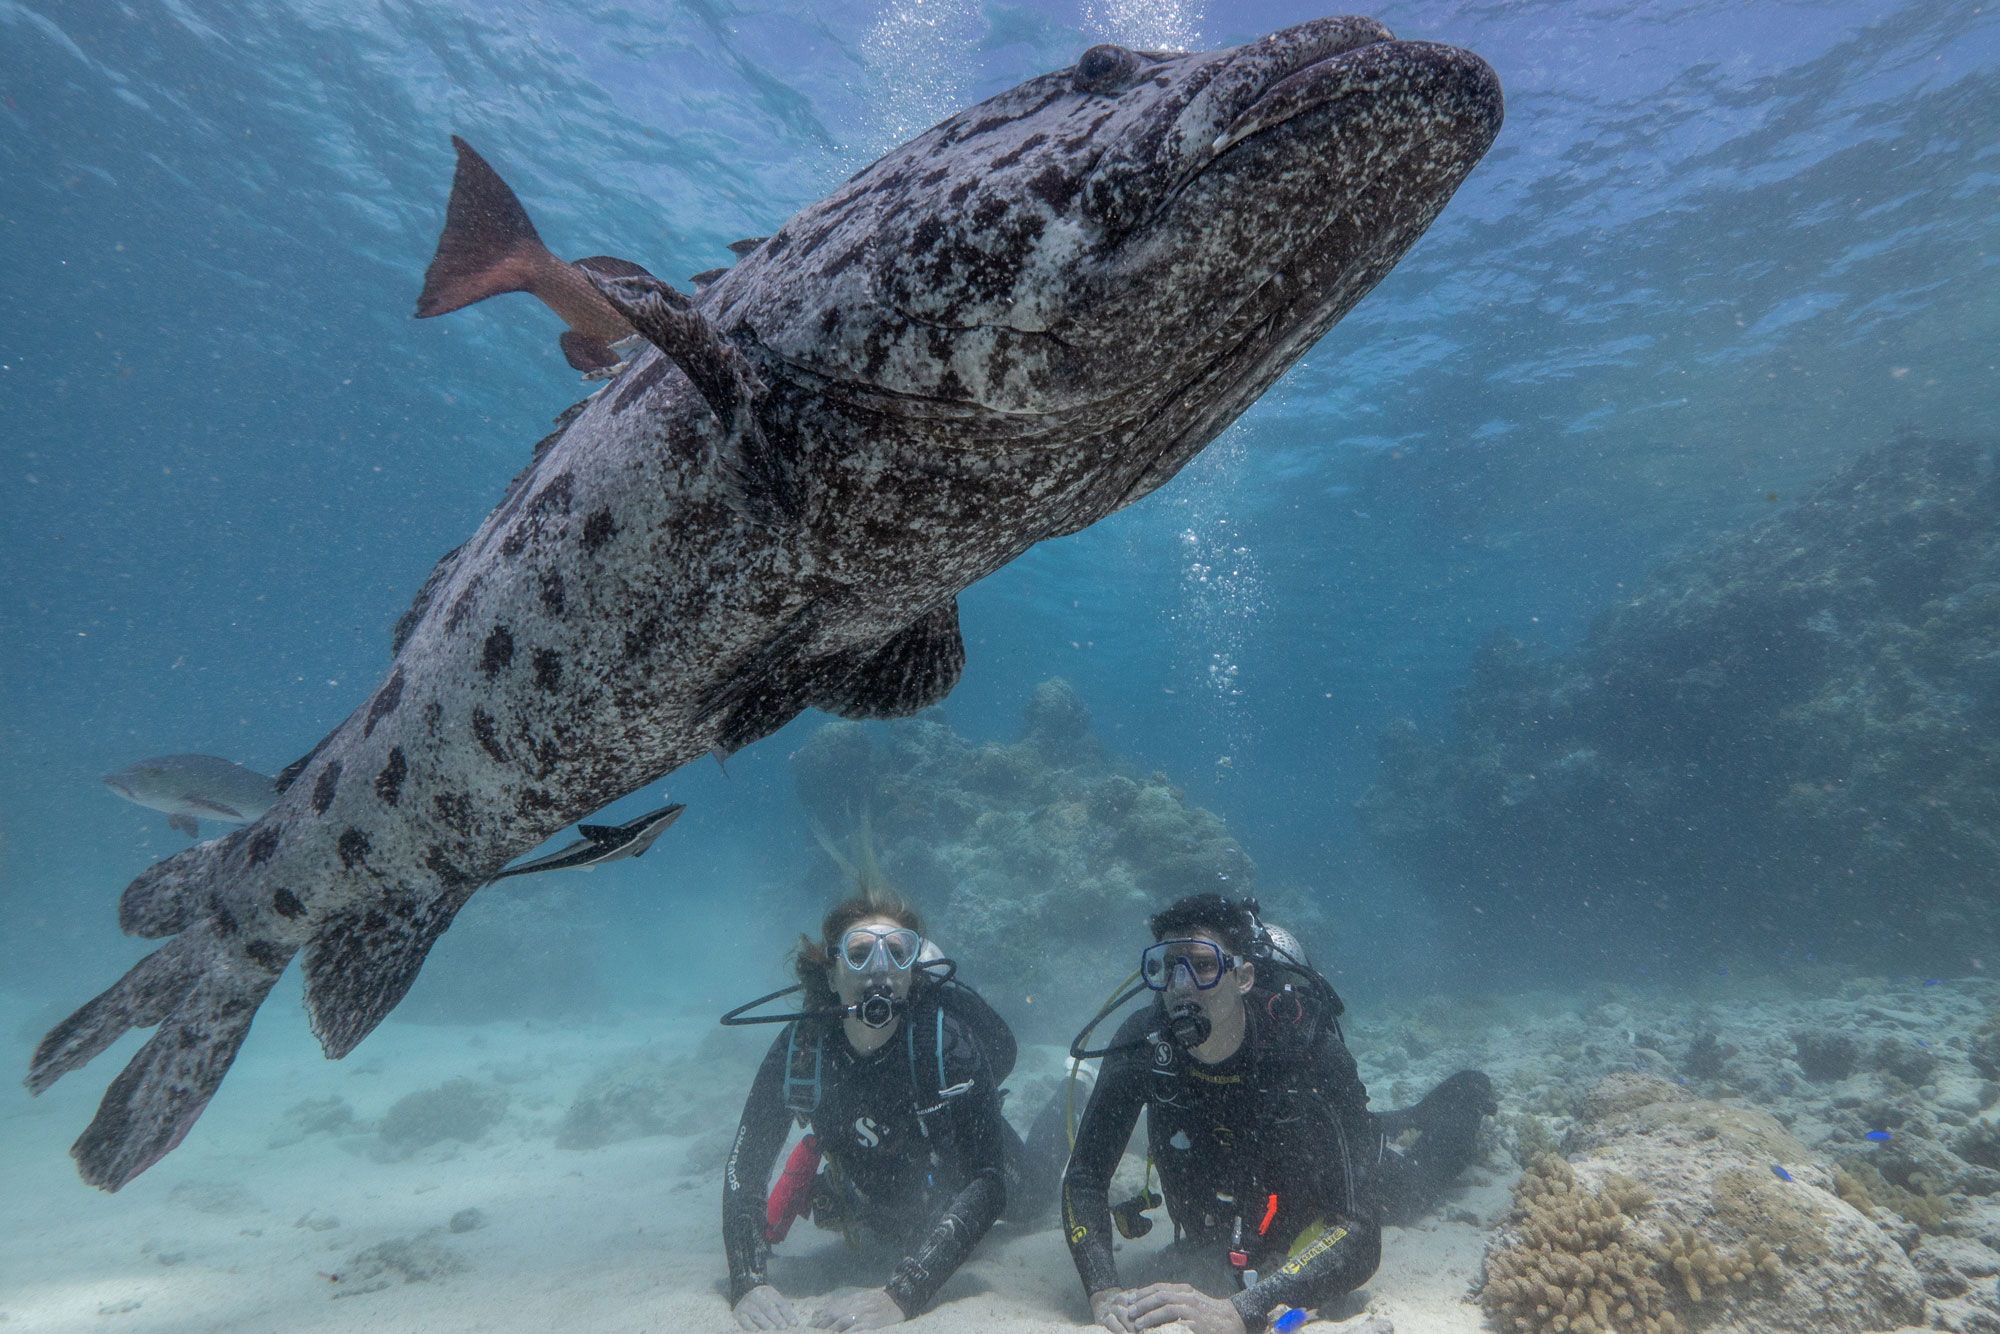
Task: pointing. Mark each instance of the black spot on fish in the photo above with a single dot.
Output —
(455, 809)
(389, 783)
(222, 920)
(353, 847)
(385, 702)
(552, 593)
(462, 606)
(829, 321)
(433, 717)
(488, 733)
(927, 233)
(534, 800)
(963, 190)
(444, 868)
(498, 650)
(1054, 187)
(268, 955)
(1021, 150)
(554, 496)
(598, 529)
(286, 904)
(262, 845)
(642, 638)
(325, 786)
(548, 668)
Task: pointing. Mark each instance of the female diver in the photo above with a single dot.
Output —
(895, 1068)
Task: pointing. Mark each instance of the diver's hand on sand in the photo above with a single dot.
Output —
(763, 1308)
(872, 1309)
(1111, 1308)
(1163, 1303)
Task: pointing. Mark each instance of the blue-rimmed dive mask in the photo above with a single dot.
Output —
(865, 948)
(1203, 961)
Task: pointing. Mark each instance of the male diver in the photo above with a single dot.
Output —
(896, 1069)
(1271, 1165)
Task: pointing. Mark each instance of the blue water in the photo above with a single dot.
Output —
(1718, 251)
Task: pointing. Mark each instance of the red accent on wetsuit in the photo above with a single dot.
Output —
(1270, 1212)
(792, 1195)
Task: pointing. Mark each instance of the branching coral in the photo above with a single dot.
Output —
(1577, 1266)
(1572, 1266)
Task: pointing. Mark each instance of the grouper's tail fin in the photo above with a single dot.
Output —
(488, 246)
(202, 993)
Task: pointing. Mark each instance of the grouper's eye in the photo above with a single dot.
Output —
(1105, 68)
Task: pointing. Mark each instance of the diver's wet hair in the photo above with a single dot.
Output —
(1228, 920)
(811, 957)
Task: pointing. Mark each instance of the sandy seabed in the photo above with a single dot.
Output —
(265, 1221)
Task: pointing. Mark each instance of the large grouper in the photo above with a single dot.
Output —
(1022, 320)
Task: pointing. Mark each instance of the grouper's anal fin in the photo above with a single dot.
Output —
(359, 966)
(760, 476)
(906, 675)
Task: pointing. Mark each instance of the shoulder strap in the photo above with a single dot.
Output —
(802, 1073)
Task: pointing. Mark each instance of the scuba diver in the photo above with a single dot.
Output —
(1271, 1166)
(896, 1069)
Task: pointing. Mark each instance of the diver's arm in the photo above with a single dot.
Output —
(1338, 1260)
(1101, 1137)
(1348, 1246)
(970, 1125)
(747, 1176)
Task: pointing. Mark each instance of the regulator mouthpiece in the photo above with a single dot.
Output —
(878, 1009)
(1188, 1026)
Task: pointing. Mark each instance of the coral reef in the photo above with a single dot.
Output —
(1780, 733)
(461, 1110)
(1027, 858)
(1669, 1215)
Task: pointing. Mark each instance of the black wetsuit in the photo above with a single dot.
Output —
(1278, 1136)
(918, 1157)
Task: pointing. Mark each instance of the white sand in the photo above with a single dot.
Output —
(230, 1234)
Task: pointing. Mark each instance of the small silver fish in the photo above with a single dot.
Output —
(190, 788)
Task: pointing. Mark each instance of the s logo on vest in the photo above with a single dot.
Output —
(866, 1131)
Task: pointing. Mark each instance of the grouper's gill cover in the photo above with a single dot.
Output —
(1005, 329)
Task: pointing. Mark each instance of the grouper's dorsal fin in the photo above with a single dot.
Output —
(911, 672)
(741, 249)
(760, 477)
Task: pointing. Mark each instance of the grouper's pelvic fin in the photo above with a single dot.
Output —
(358, 967)
(759, 475)
(201, 989)
(487, 247)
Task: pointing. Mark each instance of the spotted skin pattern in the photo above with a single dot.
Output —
(1017, 323)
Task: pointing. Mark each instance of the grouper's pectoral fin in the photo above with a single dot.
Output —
(184, 824)
(761, 477)
(358, 967)
(911, 672)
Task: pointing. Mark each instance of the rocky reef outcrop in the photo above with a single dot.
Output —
(1035, 861)
(1789, 736)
